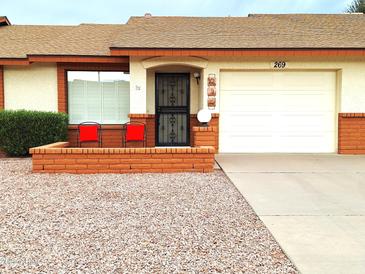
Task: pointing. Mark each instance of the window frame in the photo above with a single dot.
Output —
(82, 69)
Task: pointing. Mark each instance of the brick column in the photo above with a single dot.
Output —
(351, 133)
(205, 136)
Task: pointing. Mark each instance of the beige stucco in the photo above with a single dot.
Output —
(35, 86)
(194, 87)
(143, 72)
(350, 76)
(138, 87)
(31, 87)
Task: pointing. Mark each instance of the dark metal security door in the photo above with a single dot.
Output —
(172, 109)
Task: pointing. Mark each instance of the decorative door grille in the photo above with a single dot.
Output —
(172, 109)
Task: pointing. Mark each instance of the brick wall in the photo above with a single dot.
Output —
(111, 136)
(58, 158)
(2, 98)
(351, 133)
(149, 120)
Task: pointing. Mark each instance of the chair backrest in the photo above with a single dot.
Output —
(89, 132)
(135, 132)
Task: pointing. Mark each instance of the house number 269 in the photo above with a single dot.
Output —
(279, 64)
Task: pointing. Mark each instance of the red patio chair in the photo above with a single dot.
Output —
(134, 132)
(89, 132)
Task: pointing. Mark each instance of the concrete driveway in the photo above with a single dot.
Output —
(314, 205)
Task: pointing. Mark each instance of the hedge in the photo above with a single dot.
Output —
(22, 129)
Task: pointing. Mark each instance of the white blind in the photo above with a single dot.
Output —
(101, 97)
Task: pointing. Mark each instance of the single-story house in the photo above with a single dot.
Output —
(290, 83)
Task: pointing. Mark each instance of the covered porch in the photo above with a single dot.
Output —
(165, 94)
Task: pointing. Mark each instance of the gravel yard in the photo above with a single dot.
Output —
(165, 223)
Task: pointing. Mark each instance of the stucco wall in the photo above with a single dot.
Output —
(138, 87)
(350, 78)
(31, 87)
(35, 87)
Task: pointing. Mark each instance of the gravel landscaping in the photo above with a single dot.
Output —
(143, 223)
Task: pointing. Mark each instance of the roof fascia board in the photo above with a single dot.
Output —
(235, 52)
(64, 59)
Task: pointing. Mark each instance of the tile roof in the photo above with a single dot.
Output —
(254, 31)
(17, 41)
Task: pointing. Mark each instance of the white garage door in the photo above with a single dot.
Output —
(277, 111)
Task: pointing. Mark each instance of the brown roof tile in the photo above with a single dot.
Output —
(255, 31)
(85, 39)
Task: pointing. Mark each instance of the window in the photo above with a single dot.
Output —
(98, 96)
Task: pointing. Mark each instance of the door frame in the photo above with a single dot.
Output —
(157, 114)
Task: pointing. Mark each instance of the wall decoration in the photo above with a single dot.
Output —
(211, 102)
(212, 91)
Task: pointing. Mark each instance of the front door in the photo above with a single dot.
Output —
(172, 109)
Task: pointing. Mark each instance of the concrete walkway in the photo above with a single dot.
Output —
(314, 205)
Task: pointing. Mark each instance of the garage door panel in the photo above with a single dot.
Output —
(277, 112)
(301, 101)
(247, 143)
(249, 100)
(276, 100)
(254, 80)
(245, 121)
(305, 122)
(308, 80)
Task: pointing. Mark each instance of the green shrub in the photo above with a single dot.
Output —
(22, 129)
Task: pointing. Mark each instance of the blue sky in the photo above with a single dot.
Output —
(65, 12)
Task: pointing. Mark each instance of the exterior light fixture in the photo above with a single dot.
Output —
(197, 77)
(204, 116)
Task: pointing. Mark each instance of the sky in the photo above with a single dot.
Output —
(71, 12)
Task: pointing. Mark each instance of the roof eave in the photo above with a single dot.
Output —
(4, 21)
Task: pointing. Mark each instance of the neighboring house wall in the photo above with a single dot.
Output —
(32, 87)
(1, 88)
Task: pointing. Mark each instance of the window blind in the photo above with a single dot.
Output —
(101, 97)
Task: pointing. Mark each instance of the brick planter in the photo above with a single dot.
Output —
(59, 158)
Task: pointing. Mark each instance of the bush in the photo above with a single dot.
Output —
(22, 129)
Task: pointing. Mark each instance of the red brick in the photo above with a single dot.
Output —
(37, 167)
(120, 166)
(351, 139)
(54, 167)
